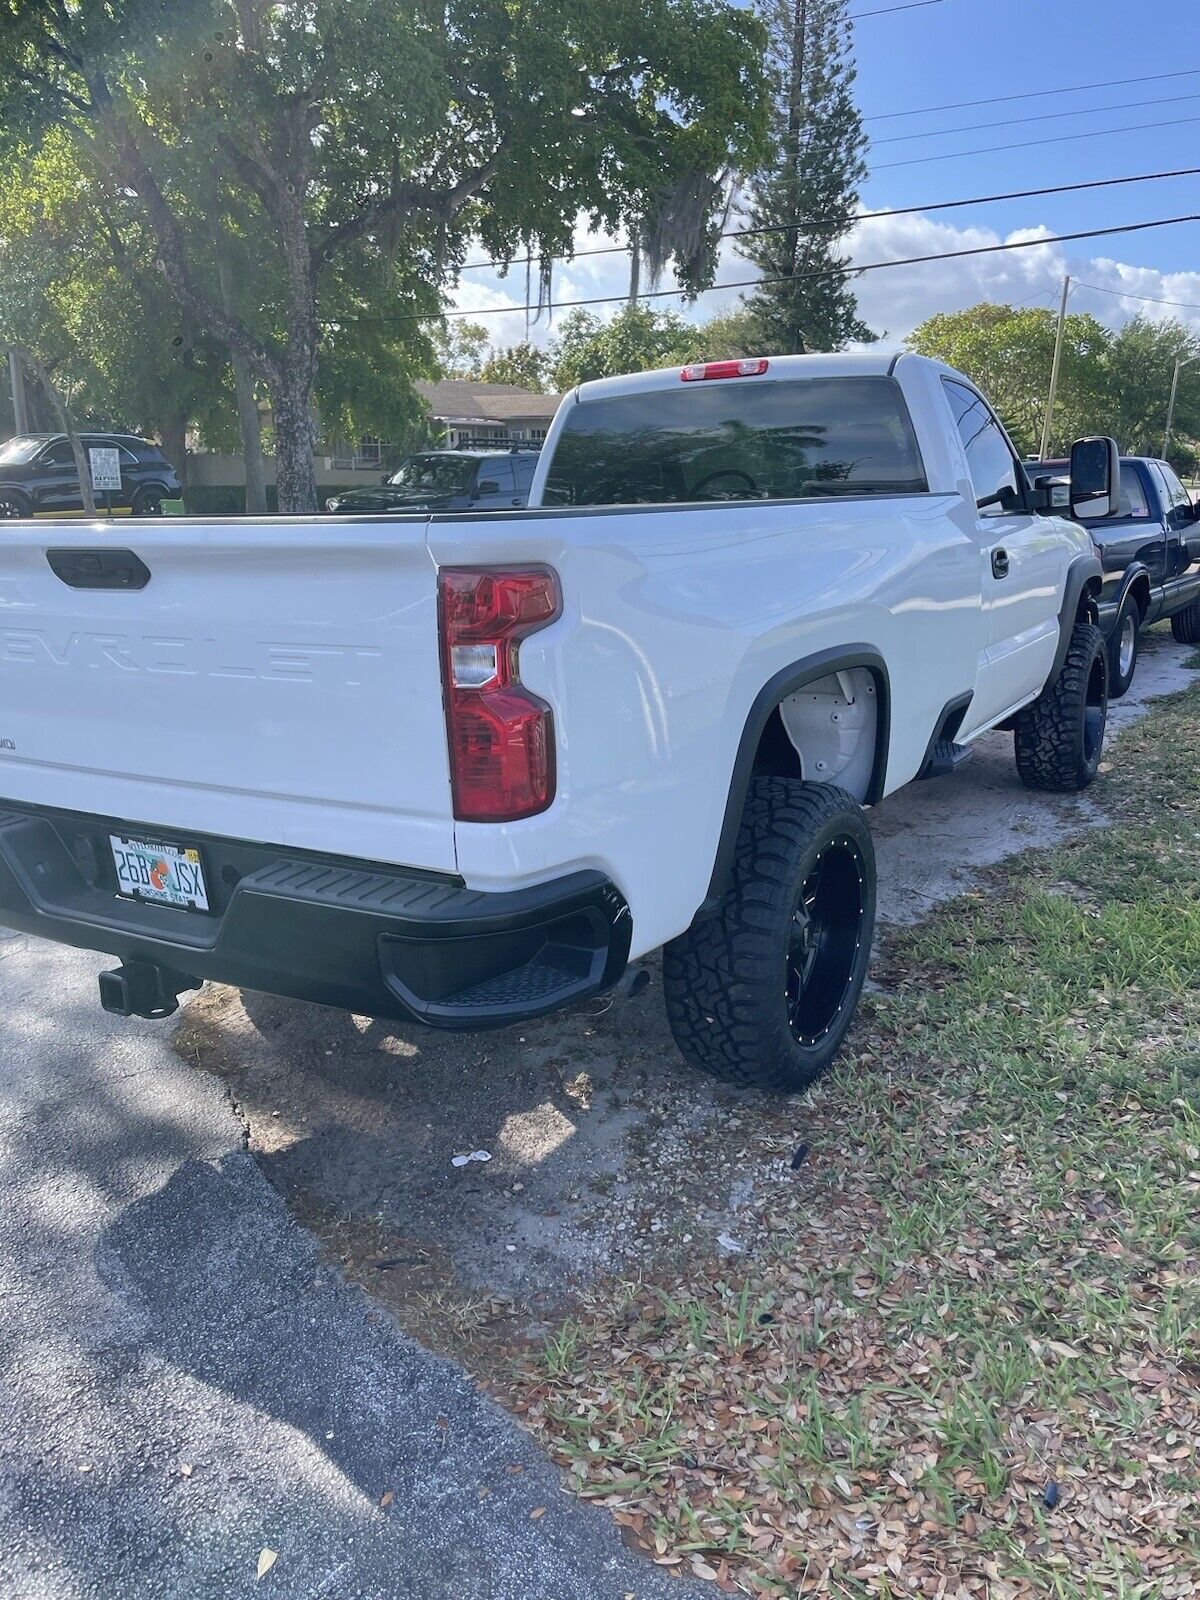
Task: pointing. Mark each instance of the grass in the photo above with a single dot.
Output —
(968, 1359)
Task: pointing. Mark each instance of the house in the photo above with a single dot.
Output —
(465, 413)
(473, 413)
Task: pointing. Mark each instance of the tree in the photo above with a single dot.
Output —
(378, 130)
(635, 340)
(460, 348)
(808, 194)
(729, 335)
(521, 364)
(1118, 384)
(76, 291)
(1009, 354)
(1141, 365)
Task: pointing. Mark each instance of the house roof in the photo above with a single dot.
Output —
(464, 400)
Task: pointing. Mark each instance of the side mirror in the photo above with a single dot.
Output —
(488, 486)
(1095, 478)
(385, 478)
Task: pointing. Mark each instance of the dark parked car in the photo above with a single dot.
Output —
(1151, 556)
(449, 480)
(38, 476)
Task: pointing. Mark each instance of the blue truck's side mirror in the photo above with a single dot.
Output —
(1095, 478)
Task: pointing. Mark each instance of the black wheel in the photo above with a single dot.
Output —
(14, 504)
(148, 501)
(1123, 646)
(1185, 624)
(761, 993)
(1060, 737)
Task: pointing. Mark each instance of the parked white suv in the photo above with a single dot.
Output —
(463, 768)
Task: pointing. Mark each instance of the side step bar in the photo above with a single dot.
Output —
(942, 755)
(944, 758)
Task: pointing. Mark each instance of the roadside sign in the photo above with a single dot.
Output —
(106, 469)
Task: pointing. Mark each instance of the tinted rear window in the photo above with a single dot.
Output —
(722, 440)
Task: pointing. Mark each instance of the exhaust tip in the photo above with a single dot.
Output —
(631, 982)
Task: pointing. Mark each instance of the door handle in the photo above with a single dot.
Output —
(999, 563)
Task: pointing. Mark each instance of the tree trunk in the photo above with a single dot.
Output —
(796, 122)
(82, 469)
(249, 420)
(251, 425)
(295, 469)
(174, 438)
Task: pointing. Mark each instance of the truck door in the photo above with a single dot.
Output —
(1183, 536)
(55, 485)
(1024, 564)
(1136, 534)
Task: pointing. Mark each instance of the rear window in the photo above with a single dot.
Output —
(717, 440)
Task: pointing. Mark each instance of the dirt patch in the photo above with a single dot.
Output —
(607, 1155)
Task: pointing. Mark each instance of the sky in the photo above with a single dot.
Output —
(950, 51)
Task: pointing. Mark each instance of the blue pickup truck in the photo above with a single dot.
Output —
(1151, 556)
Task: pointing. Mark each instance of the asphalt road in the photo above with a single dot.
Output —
(184, 1386)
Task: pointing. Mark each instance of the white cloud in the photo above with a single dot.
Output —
(892, 301)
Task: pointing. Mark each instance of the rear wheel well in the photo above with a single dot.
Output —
(774, 740)
(828, 731)
(777, 756)
(1140, 590)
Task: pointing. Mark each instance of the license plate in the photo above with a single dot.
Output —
(162, 873)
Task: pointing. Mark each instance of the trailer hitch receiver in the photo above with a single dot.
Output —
(140, 989)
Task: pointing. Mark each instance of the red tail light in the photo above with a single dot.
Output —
(724, 369)
(501, 736)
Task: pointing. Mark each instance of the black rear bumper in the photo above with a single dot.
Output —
(364, 937)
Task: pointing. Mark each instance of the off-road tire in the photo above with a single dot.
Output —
(1185, 624)
(1058, 742)
(1119, 682)
(727, 979)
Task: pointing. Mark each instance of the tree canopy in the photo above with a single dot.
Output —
(359, 145)
(637, 339)
(1113, 383)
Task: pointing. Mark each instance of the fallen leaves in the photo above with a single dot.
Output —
(266, 1560)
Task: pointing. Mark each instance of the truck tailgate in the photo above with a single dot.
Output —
(271, 681)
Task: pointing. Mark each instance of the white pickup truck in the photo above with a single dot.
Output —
(461, 769)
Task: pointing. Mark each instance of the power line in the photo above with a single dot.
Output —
(866, 216)
(799, 277)
(1028, 144)
(1031, 94)
(1006, 122)
(1150, 300)
(884, 11)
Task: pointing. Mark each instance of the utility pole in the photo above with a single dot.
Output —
(16, 373)
(1058, 344)
(1181, 362)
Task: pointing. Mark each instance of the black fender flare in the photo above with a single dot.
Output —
(1085, 576)
(775, 691)
(1136, 571)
